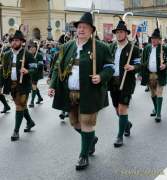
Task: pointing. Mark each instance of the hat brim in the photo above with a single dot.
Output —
(21, 39)
(156, 37)
(126, 30)
(78, 22)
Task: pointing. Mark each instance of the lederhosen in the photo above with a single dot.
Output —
(20, 98)
(74, 96)
(117, 96)
(153, 78)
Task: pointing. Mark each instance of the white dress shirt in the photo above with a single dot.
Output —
(14, 72)
(117, 58)
(73, 81)
(117, 61)
(152, 66)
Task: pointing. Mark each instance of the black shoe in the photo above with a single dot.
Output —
(147, 89)
(29, 126)
(39, 100)
(82, 163)
(31, 105)
(62, 115)
(127, 129)
(153, 113)
(158, 119)
(15, 136)
(6, 109)
(92, 148)
(118, 142)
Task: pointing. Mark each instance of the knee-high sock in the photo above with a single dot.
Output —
(38, 94)
(159, 105)
(86, 141)
(154, 100)
(3, 100)
(27, 116)
(123, 121)
(34, 92)
(18, 120)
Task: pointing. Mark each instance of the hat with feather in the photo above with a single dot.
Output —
(18, 35)
(121, 24)
(156, 33)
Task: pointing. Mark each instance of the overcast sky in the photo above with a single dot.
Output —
(100, 4)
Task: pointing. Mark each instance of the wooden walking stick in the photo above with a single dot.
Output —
(130, 53)
(129, 58)
(38, 46)
(24, 54)
(93, 11)
(161, 50)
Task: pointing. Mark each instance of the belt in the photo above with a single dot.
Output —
(14, 82)
(116, 78)
(153, 73)
(76, 62)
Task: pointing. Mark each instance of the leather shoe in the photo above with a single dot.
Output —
(158, 119)
(39, 100)
(82, 163)
(29, 126)
(153, 113)
(6, 109)
(15, 136)
(118, 142)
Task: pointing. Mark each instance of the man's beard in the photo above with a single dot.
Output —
(17, 47)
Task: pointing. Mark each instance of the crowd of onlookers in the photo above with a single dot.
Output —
(49, 49)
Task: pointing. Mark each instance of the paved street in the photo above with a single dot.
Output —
(51, 150)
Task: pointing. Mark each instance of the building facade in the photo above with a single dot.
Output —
(34, 14)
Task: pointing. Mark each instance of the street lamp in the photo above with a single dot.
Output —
(1, 28)
(49, 38)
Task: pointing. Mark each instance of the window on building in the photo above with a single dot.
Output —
(136, 3)
(161, 2)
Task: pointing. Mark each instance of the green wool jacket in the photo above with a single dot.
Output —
(130, 80)
(30, 64)
(38, 74)
(145, 63)
(92, 97)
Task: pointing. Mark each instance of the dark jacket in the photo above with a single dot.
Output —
(38, 74)
(145, 63)
(92, 97)
(30, 64)
(130, 80)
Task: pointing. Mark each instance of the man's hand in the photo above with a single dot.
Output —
(129, 67)
(162, 67)
(96, 79)
(51, 92)
(24, 71)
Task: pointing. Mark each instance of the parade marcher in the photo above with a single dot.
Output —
(2, 97)
(64, 38)
(154, 63)
(12, 73)
(75, 88)
(120, 51)
(37, 75)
